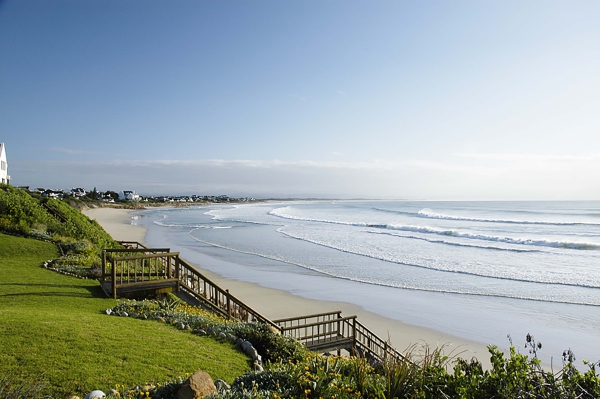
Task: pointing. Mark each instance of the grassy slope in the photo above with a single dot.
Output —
(54, 324)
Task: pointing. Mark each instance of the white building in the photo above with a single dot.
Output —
(4, 177)
(130, 196)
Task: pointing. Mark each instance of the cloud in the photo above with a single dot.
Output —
(343, 93)
(530, 157)
(72, 151)
(405, 179)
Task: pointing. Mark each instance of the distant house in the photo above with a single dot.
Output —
(130, 196)
(78, 192)
(58, 194)
(4, 177)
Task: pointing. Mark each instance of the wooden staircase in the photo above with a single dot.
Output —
(137, 271)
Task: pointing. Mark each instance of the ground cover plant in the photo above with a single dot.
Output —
(54, 329)
(79, 238)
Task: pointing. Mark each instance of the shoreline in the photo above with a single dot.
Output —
(275, 304)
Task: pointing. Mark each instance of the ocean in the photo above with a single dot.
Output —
(477, 270)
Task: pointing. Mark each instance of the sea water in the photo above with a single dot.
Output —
(478, 270)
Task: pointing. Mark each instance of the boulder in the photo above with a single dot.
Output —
(199, 385)
(246, 346)
(253, 354)
(222, 335)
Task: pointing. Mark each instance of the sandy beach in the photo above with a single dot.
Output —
(276, 304)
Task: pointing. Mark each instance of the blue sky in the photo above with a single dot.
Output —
(344, 99)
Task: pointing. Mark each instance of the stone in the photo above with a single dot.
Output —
(198, 386)
(200, 331)
(181, 326)
(97, 394)
(114, 392)
(258, 367)
(246, 346)
(109, 311)
(222, 335)
(161, 319)
(222, 385)
(230, 338)
(124, 314)
(253, 354)
(239, 342)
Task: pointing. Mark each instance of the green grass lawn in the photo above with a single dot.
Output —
(55, 325)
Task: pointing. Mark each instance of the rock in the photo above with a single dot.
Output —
(200, 332)
(114, 392)
(253, 354)
(181, 326)
(222, 385)
(258, 367)
(124, 314)
(161, 319)
(109, 311)
(239, 342)
(246, 346)
(97, 394)
(230, 338)
(133, 314)
(199, 385)
(222, 335)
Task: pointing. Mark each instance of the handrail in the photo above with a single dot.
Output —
(203, 288)
(148, 256)
(132, 243)
(318, 323)
(136, 250)
(311, 316)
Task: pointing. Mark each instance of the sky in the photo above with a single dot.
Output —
(441, 100)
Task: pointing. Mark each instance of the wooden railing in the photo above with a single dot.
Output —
(220, 300)
(325, 332)
(140, 267)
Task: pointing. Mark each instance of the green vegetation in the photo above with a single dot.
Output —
(54, 326)
(79, 238)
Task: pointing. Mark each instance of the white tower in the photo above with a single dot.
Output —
(4, 177)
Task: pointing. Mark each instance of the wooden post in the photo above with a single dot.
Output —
(176, 263)
(114, 279)
(354, 334)
(228, 304)
(103, 265)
